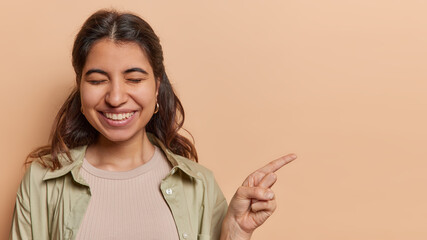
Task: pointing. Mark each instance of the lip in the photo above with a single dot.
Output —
(118, 111)
(115, 123)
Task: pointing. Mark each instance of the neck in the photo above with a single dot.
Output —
(120, 156)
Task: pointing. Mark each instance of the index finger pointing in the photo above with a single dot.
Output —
(277, 164)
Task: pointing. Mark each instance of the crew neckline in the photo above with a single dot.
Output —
(122, 175)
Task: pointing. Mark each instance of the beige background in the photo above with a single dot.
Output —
(341, 83)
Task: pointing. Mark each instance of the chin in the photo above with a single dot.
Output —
(121, 135)
(118, 139)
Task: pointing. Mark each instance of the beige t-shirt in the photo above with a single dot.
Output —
(128, 205)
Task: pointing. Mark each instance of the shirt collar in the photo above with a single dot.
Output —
(77, 155)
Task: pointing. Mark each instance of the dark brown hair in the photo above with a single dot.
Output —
(71, 129)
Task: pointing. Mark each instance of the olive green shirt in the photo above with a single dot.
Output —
(52, 204)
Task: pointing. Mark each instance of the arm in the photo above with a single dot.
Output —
(253, 202)
(21, 221)
(219, 212)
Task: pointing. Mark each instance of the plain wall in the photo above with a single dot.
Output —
(341, 83)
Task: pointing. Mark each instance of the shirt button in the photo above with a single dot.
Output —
(168, 191)
(185, 235)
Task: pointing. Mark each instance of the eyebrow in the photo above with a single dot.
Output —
(130, 70)
(136, 69)
(96, 70)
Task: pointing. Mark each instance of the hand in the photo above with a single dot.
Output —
(253, 202)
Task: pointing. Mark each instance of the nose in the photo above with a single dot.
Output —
(116, 94)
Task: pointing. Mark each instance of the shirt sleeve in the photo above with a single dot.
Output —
(21, 221)
(219, 212)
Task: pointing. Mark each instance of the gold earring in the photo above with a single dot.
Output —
(81, 110)
(156, 109)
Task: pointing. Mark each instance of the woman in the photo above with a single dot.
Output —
(117, 168)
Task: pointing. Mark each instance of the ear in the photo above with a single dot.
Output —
(157, 86)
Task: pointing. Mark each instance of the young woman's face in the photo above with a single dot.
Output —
(118, 90)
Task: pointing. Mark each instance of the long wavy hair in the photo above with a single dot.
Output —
(71, 129)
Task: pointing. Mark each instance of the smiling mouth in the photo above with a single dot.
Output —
(119, 116)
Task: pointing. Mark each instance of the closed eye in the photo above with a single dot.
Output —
(135, 80)
(96, 82)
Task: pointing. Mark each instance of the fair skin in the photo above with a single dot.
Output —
(118, 94)
(254, 202)
(117, 82)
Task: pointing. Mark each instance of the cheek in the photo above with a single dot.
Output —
(145, 96)
(89, 97)
(145, 100)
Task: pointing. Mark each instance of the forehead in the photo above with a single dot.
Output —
(110, 55)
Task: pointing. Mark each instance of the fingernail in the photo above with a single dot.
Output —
(272, 175)
(270, 195)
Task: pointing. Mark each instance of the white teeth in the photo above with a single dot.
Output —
(118, 117)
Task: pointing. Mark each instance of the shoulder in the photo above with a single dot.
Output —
(195, 169)
(35, 171)
(195, 166)
(206, 176)
(199, 172)
(41, 169)
(178, 160)
(33, 179)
